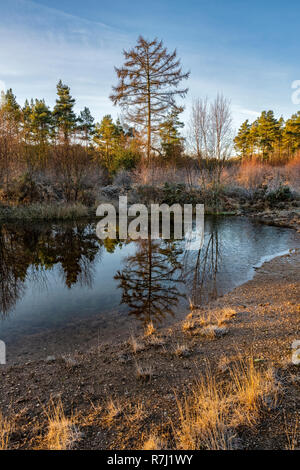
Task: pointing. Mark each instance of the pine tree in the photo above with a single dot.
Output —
(41, 119)
(148, 85)
(171, 140)
(242, 141)
(63, 114)
(106, 138)
(10, 127)
(268, 130)
(10, 107)
(291, 134)
(26, 121)
(86, 125)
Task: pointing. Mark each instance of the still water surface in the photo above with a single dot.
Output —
(54, 275)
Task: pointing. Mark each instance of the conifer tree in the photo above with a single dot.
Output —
(242, 140)
(268, 132)
(171, 140)
(86, 125)
(148, 86)
(291, 134)
(106, 138)
(63, 114)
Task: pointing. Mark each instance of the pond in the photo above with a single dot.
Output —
(61, 288)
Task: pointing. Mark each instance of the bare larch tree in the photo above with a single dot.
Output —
(148, 86)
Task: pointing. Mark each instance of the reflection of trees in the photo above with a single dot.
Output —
(201, 268)
(30, 251)
(75, 248)
(11, 273)
(150, 280)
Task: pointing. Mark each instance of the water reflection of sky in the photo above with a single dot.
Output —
(231, 249)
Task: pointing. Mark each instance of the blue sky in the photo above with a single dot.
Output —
(249, 51)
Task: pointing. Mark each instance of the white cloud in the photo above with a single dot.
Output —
(245, 111)
(44, 45)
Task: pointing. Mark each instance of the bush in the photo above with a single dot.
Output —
(282, 194)
(124, 179)
(179, 194)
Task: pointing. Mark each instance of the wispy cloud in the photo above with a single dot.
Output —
(45, 44)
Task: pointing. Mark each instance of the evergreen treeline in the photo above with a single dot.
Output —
(273, 140)
(38, 130)
(35, 139)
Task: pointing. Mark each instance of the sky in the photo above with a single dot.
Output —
(249, 51)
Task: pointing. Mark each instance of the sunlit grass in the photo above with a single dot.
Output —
(61, 432)
(6, 428)
(150, 329)
(211, 413)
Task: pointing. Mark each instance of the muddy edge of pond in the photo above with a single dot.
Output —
(265, 324)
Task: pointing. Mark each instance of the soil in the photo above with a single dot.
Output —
(266, 323)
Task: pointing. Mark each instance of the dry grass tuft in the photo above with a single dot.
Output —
(156, 341)
(209, 319)
(136, 413)
(213, 331)
(61, 432)
(154, 442)
(188, 325)
(113, 410)
(181, 350)
(6, 429)
(209, 416)
(252, 389)
(144, 373)
(150, 329)
(93, 417)
(136, 345)
(217, 317)
(293, 436)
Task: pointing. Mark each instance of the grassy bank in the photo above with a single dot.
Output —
(46, 212)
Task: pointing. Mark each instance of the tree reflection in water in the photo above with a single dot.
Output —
(150, 280)
(28, 252)
(201, 269)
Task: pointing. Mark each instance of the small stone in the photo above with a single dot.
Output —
(50, 359)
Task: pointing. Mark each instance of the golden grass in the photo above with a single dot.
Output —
(209, 416)
(293, 436)
(188, 324)
(154, 443)
(113, 410)
(199, 319)
(251, 389)
(136, 345)
(94, 415)
(150, 329)
(61, 431)
(136, 413)
(217, 317)
(181, 350)
(6, 429)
